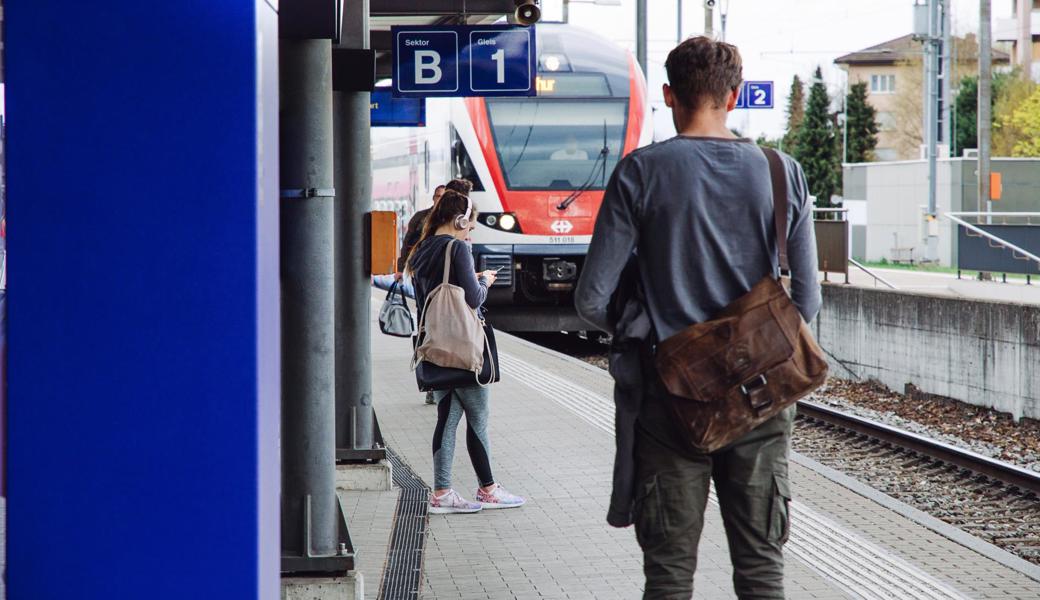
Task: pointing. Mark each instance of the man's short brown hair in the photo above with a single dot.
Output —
(701, 69)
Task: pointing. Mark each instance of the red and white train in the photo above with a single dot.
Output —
(538, 165)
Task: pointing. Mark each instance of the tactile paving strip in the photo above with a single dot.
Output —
(851, 562)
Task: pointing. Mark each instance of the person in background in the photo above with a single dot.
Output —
(699, 210)
(453, 218)
(414, 230)
(570, 151)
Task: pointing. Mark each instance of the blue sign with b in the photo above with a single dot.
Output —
(425, 61)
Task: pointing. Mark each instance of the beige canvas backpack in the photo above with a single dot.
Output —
(451, 333)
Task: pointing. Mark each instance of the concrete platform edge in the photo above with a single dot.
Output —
(922, 518)
(351, 587)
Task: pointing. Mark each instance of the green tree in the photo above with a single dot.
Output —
(1025, 120)
(795, 114)
(1008, 91)
(966, 105)
(817, 150)
(861, 124)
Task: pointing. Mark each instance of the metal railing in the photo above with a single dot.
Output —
(996, 241)
(876, 277)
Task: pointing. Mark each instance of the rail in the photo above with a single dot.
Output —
(1007, 473)
(876, 277)
(1016, 251)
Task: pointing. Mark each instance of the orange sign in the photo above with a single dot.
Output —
(382, 235)
(995, 186)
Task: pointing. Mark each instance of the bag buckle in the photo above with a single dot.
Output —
(755, 391)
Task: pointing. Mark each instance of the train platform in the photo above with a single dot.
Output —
(1014, 289)
(551, 434)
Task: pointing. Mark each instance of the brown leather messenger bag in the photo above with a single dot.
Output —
(729, 375)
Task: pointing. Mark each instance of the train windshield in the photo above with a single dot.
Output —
(558, 144)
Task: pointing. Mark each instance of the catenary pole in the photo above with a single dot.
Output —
(985, 106)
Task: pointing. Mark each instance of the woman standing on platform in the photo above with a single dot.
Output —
(451, 219)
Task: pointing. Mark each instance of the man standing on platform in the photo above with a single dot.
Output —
(697, 212)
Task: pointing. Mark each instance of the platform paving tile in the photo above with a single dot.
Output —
(966, 570)
(558, 545)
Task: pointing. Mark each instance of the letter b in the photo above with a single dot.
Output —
(427, 67)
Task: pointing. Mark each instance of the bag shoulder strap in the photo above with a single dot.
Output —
(447, 260)
(779, 179)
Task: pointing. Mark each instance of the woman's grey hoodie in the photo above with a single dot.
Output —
(427, 269)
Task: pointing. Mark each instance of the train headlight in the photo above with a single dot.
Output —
(507, 222)
(552, 63)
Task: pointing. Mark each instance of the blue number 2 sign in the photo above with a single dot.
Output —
(756, 94)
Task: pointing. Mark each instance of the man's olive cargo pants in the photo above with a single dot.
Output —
(753, 491)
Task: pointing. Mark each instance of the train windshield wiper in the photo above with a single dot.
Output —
(603, 153)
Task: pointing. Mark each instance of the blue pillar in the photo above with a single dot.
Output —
(144, 380)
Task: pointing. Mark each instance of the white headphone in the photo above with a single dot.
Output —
(462, 221)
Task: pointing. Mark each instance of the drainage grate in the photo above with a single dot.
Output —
(402, 577)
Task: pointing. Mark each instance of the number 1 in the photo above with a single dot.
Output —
(500, 58)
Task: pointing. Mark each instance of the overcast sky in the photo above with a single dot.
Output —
(777, 38)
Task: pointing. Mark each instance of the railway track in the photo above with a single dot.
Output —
(991, 499)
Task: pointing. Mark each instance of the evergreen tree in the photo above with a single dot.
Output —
(1007, 87)
(795, 114)
(861, 124)
(966, 104)
(817, 150)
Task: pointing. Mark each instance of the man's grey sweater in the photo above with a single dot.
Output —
(699, 214)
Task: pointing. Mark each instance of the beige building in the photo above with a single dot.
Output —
(1019, 34)
(893, 73)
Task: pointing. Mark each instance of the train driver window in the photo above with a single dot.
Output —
(461, 164)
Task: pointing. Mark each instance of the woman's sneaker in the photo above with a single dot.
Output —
(498, 497)
(451, 502)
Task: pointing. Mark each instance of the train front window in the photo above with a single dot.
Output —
(557, 144)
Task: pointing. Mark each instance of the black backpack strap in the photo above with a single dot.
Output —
(779, 179)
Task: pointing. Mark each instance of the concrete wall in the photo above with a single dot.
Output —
(980, 352)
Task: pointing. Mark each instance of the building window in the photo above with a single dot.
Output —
(882, 84)
(886, 121)
(885, 154)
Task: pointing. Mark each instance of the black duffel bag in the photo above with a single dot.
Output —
(431, 377)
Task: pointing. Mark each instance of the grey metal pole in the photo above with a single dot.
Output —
(723, 13)
(709, 20)
(932, 115)
(355, 418)
(845, 122)
(985, 93)
(566, 11)
(310, 510)
(641, 36)
(948, 75)
(678, 21)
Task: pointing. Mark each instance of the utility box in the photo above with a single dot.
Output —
(382, 242)
(921, 29)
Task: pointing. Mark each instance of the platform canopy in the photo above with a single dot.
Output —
(387, 13)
